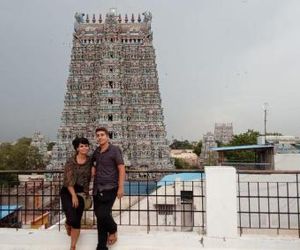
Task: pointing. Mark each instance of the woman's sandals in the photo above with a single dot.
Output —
(112, 238)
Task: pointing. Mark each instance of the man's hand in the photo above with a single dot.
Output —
(120, 192)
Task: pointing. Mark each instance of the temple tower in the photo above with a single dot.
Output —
(113, 82)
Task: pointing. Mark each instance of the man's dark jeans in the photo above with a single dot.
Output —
(103, 203)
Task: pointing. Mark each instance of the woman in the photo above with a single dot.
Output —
(77, 176)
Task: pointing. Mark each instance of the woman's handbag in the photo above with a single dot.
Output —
(87, 199)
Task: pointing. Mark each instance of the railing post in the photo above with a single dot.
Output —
(298, 210)
(148, 214)
(221, 203)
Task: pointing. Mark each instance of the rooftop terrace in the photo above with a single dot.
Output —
(220, 209)
(133, 239)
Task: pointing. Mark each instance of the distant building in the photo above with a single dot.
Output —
(207, 156)
(41, 143)
(283, 144)
(264, 156)
(223, 132)
(176, 202)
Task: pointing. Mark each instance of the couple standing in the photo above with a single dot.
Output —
(107, 167)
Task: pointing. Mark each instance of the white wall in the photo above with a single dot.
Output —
(221, 209)
(287, 161)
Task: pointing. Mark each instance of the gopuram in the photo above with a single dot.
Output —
(113, 82)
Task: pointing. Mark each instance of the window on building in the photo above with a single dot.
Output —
(110, 101)
(186, 197)
(110, 117)
(110, 134)
(111, 85)
(165, 209)
(159, 154)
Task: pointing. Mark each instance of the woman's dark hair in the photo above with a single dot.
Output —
(80, 140)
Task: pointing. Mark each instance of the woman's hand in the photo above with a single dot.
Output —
(75, 201)
(93, 172)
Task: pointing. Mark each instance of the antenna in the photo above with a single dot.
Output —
(265, 107)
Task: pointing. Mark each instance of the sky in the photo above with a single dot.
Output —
(217, 60)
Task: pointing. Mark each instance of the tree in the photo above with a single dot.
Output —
(181, 144)
(5, 155)
(34, 160)
(19, 156)
(181, 164)
(247, 138)
(197, 148)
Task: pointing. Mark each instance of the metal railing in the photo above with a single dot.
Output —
(268, 200)
(247, 165)
(30, 199)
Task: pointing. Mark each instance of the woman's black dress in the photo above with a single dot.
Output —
(78, 176)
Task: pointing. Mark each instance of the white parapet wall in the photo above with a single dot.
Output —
(221, 203)
(287, 161)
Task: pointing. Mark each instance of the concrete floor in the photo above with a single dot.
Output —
(135, 239)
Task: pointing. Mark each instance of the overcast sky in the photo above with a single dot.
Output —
(218, 61)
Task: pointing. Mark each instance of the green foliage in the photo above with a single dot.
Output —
(181, 164)
(19, 156)
(247, 138)
(197, 148)
(181, 144)
(24, 141)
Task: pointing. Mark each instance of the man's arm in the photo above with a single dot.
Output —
(121, 168)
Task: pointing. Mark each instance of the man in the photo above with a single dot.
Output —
(109, 175)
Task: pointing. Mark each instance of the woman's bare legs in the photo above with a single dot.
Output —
(74, 237)
(68, 229)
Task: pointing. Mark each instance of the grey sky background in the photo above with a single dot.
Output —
(218, 61)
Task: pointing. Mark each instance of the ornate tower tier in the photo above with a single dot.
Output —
(113, 82)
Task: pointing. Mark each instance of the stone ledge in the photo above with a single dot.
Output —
(135, 239)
